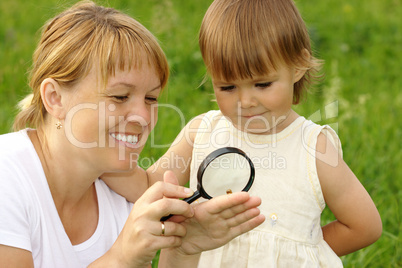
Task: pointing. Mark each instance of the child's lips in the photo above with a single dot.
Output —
(253, 115)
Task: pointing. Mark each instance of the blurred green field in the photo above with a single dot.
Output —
(361, 97)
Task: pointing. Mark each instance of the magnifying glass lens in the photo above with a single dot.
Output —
(224, 171)
(227, 173)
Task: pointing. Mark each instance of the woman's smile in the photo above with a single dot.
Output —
(128, 140)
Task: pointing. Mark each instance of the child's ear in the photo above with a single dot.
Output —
(300, 71)
(51, 97)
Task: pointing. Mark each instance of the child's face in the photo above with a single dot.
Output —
(258, 105)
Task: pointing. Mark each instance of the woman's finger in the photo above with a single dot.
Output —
(167, 206)
(170, 177)
(161, 189)
(166, 235)
(168, 228)
(162, 242)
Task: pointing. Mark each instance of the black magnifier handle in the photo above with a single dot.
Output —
(189, 200)
(192, 198)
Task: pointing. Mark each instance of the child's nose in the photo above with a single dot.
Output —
(246, 99)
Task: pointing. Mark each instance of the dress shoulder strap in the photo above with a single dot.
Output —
(310, 132)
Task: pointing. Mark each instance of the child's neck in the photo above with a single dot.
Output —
(289, 118)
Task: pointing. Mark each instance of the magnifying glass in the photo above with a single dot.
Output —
(224, 171)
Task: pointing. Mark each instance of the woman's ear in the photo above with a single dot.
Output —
(300, 71)
(50, 91)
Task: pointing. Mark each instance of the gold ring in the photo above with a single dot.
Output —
(163, 228)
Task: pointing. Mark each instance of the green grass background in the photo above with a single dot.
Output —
(360, 41)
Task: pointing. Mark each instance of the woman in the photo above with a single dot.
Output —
(96, 77)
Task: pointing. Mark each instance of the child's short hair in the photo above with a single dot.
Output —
(244, 38)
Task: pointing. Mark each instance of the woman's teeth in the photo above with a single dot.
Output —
(133, 139)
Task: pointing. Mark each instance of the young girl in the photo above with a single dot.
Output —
(258, 55)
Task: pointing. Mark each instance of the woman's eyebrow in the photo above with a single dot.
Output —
(122, 84)
(129, 86)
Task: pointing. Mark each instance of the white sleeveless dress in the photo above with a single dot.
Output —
(292, 200)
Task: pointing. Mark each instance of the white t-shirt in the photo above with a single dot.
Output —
(28, 215)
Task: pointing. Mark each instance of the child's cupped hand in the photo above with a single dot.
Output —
(219, 220)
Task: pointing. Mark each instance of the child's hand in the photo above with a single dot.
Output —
(219, 220)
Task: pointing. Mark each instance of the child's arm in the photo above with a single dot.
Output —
(358, 222)
(179, 155)
(131, 185)
(178, 158)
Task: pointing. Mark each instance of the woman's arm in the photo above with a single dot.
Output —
(15, 257)
(358, 223)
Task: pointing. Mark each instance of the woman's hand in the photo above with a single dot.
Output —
(142, 236)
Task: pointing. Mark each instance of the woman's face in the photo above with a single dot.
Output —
(108, 127)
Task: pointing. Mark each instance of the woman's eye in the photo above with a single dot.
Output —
(151, 100)
(263, 85)
(227, 88)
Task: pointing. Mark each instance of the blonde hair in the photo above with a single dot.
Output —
(240, 39)
(84, 36)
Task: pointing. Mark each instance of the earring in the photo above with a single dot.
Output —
(59, 125)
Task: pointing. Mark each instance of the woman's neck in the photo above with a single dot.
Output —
(73, 193)
(68, 183)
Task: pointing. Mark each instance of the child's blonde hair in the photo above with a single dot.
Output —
(244, 38)
(80, 38)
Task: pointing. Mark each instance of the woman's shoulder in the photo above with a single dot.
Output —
(18, 159)
(18, 174)
(14, 143)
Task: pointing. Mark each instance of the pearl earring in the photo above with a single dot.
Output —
(59, 125)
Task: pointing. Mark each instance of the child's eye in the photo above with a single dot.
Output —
(263, 85)
(227, 88)
(120, 98)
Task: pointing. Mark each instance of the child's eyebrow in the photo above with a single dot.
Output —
(267, 76)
